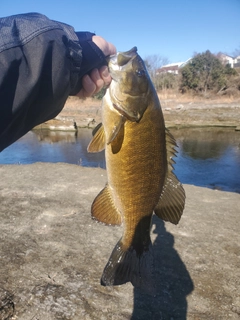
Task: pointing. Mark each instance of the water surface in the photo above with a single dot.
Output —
(208, 157)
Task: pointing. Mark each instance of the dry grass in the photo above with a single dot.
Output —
(74, 103)
(186, 98)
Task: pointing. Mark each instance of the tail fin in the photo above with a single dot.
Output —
(129, 266)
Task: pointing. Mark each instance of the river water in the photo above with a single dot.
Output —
(208, 157)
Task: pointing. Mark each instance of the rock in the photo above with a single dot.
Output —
(53, 254)
(58, 124)
(179, 107)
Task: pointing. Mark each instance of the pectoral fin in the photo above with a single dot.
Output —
(97, 143)
(172, 200)
(116, 129)
(104, 210)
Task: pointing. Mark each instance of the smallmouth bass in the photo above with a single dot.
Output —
(138, 151)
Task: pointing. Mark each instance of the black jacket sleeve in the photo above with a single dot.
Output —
(42, 62)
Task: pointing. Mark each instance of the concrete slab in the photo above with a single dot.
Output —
(52, 254)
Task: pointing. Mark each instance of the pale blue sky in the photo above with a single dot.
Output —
(174, 29)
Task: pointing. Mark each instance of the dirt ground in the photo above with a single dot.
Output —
(53, 254)
(178, 112)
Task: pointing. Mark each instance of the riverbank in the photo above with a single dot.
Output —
(178, 112)
(53, 254)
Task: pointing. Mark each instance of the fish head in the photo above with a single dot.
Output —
(130, 84)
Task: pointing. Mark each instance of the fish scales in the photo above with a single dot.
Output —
(139, 153)
(141, 164)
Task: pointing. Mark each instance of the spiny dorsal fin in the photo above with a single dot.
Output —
(97, 143)
(172, 200)
(104, 210)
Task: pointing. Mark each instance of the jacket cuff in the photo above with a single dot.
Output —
(92, 57)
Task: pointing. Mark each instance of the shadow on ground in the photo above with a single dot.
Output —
(173, 281)
(52, 253)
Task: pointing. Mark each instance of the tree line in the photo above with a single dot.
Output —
(203, 74)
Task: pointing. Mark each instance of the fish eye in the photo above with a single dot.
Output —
(140, 72)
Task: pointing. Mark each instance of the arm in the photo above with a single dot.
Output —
(42, 62)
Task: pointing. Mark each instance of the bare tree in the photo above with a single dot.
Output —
(154, 62)
(236, 52)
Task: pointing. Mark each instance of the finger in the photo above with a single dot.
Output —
(105, 75)
(97, 79)
(106, 47)
(111, 49)
(94, 82)
(89, 87)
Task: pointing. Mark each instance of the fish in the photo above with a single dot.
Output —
(139, 154)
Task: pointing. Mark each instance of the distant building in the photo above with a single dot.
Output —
(236, 63)
(226, 59)
(172, 67)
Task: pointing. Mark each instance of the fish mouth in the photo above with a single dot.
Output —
(109, 58)
(117, 61)
(118, 64)
(124, 57)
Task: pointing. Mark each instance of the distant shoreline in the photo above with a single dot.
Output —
(177, 113)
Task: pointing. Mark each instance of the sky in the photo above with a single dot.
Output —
(172, 29)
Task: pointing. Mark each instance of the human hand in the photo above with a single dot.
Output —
(98, 78)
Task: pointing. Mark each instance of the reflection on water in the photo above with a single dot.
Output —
(53, 146)
(207, 156)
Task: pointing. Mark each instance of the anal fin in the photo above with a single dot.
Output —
(104, 210)
(172, 199)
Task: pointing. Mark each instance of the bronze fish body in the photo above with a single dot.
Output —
(138, 151)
